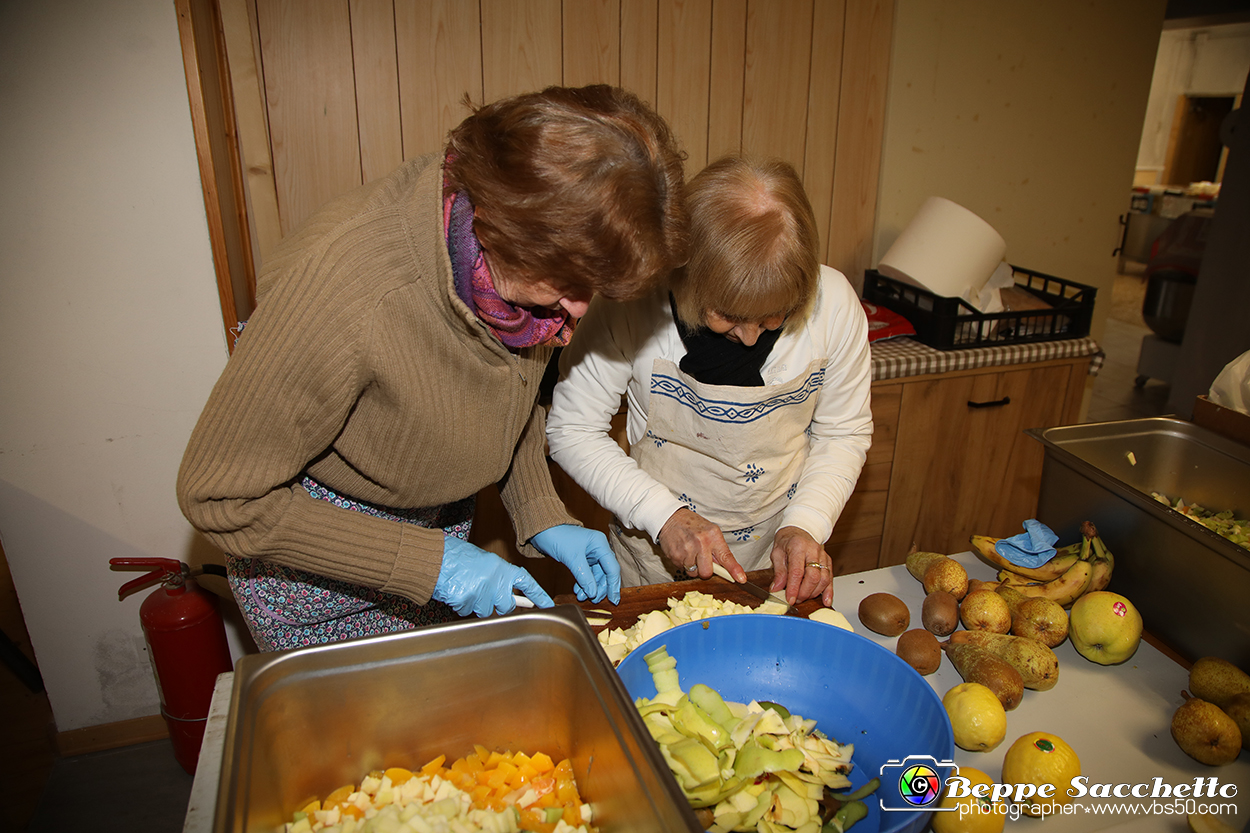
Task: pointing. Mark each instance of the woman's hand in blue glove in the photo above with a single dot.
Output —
(589, 558)
(473, 580)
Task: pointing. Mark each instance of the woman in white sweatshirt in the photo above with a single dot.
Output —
(747, 389)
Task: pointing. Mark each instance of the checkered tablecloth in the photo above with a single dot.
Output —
(898, 357)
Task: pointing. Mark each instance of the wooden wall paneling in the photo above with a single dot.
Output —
(521, 46)
(639, 42)
(212, 119)
(857, 156)
(725, 98)
(823, 98)
(377, 87)
(776, 72)
(439, 54)
(854, 557)
(592, 42)
(683, 59)
(251, 130)
(310, 90)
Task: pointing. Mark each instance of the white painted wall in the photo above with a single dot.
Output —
(110, 330)
(1201, 61)
(1027, 114)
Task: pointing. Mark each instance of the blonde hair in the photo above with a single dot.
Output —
(753, 243)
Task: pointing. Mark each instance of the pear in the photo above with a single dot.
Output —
(985, 610)
(1036, 617)
(978, 584)
(1238, 708)
(1217, 680)
(977, 665)
(946, 574)
(918, 561)
(1205, 733)
(1037, 664)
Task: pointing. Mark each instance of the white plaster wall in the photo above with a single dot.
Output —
(1199, 61)
(110, 330)
(1027, 114)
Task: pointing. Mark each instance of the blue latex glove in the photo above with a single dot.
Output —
(589, 558)
(1033, 548)
(473, 580)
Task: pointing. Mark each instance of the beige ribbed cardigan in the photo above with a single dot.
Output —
(362, 367)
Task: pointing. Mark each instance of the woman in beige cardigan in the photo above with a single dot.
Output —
(392, 366)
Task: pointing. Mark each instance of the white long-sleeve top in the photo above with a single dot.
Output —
(612, 354)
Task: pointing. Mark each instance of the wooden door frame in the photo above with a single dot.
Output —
(215, 119)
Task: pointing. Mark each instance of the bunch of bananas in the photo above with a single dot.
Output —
(1075, 570)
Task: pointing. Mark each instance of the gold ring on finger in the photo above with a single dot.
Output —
(817, 565)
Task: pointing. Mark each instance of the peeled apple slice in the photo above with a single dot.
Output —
(831, 617)
(694, 606)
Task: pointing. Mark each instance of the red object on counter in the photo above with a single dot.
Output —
(186, 640)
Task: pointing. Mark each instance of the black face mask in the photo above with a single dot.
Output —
(713, 359)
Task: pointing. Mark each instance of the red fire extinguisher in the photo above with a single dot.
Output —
(186, 640)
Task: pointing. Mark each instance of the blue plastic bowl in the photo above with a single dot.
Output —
(857, 692)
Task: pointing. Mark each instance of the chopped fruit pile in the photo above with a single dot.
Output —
(1221, 523)
(495, 792)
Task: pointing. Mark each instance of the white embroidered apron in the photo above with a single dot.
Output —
(732, 454)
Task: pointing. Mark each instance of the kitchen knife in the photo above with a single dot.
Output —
(754, 589)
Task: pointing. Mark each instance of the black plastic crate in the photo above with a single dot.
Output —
(950, 323)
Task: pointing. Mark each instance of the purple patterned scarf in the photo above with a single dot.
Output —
(516, 327)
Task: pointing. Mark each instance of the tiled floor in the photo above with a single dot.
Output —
(142, 787)
(1116, 394)
(134, 788)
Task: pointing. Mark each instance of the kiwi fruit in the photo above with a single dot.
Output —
(884, 613)
(940, 613)
(919, 649)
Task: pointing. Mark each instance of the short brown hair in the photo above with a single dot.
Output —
(753, 243)
(580, 186)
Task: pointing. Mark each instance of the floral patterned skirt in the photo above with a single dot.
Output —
(289, 608)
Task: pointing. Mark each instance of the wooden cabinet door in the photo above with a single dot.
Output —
(855, 544)
(962, 464)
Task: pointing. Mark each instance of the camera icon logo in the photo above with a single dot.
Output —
(914, 783)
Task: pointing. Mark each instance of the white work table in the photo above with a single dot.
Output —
(1117, 718)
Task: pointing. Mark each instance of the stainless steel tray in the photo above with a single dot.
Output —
(306, 721)
(1190, 584)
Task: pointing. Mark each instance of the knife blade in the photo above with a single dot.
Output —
(754, 589)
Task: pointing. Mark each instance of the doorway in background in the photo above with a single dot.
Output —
(1195, 152)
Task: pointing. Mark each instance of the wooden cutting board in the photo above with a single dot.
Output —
(636, 601)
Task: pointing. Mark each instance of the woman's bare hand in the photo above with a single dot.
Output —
(801, 566)
(695, 543)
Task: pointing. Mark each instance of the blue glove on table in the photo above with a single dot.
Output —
(1033, 548)
(473, 580)
(589, 558)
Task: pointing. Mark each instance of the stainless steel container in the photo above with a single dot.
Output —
(1191, 585)
(307, 721)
